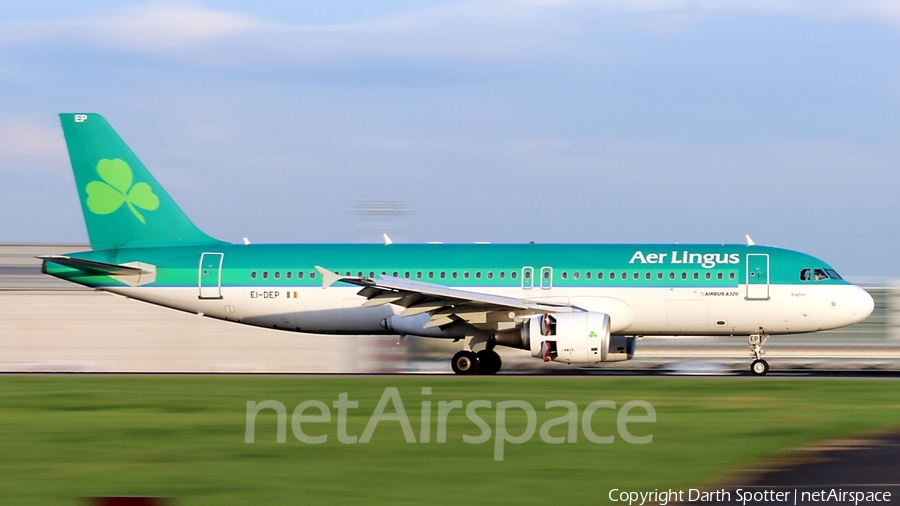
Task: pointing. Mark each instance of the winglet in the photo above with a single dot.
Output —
(750, 241)
(328, 277)
(387, 240)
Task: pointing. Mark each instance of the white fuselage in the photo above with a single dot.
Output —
(633, 311)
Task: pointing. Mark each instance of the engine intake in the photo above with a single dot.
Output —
(575, 338)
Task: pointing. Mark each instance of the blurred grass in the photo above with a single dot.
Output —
(64, 437)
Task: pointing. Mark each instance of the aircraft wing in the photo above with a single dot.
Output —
(445, 305)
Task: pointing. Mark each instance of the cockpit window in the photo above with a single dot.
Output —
(832, 274)
(818, 274)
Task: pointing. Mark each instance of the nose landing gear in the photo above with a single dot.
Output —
(758, 367)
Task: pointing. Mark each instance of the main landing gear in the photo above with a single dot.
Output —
(486, 361)
(758, 367)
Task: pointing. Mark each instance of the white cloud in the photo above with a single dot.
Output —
(25, 146)
(163, 26)
(145, 28)
(485, 30)
(25, 139)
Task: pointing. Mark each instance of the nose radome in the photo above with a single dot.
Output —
(861, 304)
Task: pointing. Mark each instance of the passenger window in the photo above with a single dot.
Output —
(527, 274)
(299, 274)
(443, 274)
(575, 275)
(624, 275)
(659, 275)
(490, 274)
(708, 275)
(312, 275)
(406, 274)
(513, 274)
(546, 274)
(636, 275)
(502, 274)
(466, 275)
(395, 274)
(683, 275)
(647, 276)
(600, 275)
(277, 274)
(671, 275)
(478, 275)
(453, 274)
(288, 274)
(696, 275)
(253, 275)
(383, 273)
(731, 275)
(564, 275)
(265, 274)
(612, 275)
(819, 275)
(419, 275)
(719, 276)
(587, 275)
(371, 275)
(430, 274)
(806, 275)
(347, 274)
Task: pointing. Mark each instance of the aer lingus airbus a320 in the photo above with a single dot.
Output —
(571, 303)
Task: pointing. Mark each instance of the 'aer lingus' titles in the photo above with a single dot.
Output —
(705, 260)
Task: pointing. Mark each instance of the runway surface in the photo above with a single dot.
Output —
(860, 471)
(793, 375)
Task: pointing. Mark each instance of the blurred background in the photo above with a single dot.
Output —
(657, 121)
(597, 121)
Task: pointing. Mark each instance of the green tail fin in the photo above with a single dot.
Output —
(123, 204)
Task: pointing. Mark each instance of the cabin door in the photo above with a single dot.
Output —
(210, 275)
(757, 276)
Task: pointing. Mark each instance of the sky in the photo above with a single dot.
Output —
(494, 120)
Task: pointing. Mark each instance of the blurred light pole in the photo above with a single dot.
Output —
(378, 217)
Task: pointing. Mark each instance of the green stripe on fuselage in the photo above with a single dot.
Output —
(178, 266)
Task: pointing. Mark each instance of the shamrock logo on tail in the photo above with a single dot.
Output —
(105, 197)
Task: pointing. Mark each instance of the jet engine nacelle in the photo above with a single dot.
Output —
(576, 338)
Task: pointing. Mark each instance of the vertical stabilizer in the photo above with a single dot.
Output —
(123, 204)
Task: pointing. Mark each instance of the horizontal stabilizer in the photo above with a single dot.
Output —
(94, 266)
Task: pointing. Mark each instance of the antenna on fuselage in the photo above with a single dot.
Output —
(750, 241)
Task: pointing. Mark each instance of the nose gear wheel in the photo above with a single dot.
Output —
(758, 367)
